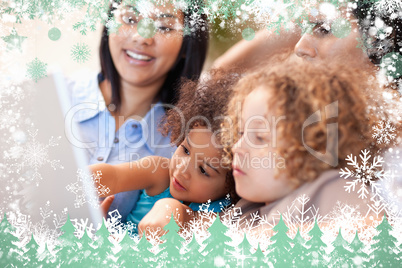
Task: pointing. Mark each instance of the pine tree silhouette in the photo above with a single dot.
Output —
(87, 250)
(280, 249)
(104, 248)
(144, 257)
(384, 251)
(218, 251)
(46, 258)
(316, 248)
(359, 258)
(341, 256)
(259, 258)
(32, 252)
(193, 256)
(244, 252)
(10, 253)
(126, 253)
(299, 251)
(172, 245)
(67, 249)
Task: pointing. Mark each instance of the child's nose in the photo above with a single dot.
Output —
(237, 147)
(182, 166)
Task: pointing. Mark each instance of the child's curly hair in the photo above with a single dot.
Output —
(297, 90)
(202, 103)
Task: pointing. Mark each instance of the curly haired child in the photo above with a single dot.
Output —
(195, 174)
(297, 125)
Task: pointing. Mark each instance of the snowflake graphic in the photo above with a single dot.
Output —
(389, 7)
(83, 186)
(384, 132)
(80, 52)
(33, 155)
(364, 173)
(36, 69)
(42, 232)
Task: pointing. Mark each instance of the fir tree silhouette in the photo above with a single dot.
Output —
(144, 257)
(32, 252)
(341, 256)
(316, 248)
(384, 251)
(299, 251)
(193, 255)
(125, 256)
(67, 249)
(259, 258)
(104, 248)
(218, 251)
(87, 250)
(358, 256)
(280, 249)
(244, 252)
(46, 258)
(10, 253)
(172, 245)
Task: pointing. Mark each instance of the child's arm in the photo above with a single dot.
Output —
(161, 212)
(150, 173)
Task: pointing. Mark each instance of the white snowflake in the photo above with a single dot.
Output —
(389, 7)
(364, 173)
(43, 233)
(83, 186)
(384, 132)
(33, 155)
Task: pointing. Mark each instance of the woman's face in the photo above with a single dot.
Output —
(254, 155)
(334, 36)
(145, 60)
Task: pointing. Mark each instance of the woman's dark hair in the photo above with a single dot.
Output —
(367, 12)
(188, 65)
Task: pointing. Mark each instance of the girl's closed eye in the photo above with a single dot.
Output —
(203, 171)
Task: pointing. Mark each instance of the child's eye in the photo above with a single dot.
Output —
(203, 171)
(185, 150)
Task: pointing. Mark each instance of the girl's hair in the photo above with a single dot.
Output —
(188, 64)
(368, 12)
(203, 104)
(297, 90)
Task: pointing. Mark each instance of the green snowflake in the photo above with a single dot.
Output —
(80, 52)
(36, 69)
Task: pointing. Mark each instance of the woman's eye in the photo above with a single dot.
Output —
(185, 150)
(203, 171)
(164, 29)
(128, 20)
(322, 30)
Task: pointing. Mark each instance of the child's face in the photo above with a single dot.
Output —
(255, 158)
(196, 174)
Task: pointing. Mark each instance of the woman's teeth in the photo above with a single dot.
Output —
(138, 56)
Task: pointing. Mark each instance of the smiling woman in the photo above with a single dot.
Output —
(144, 55)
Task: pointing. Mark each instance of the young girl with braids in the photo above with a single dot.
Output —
(195, 174)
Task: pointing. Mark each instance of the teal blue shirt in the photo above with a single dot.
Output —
(146, 202)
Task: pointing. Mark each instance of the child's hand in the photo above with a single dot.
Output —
(160, 215)
(105, 205)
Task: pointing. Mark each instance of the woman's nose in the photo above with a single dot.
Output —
(305, 48)
(141, 40)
